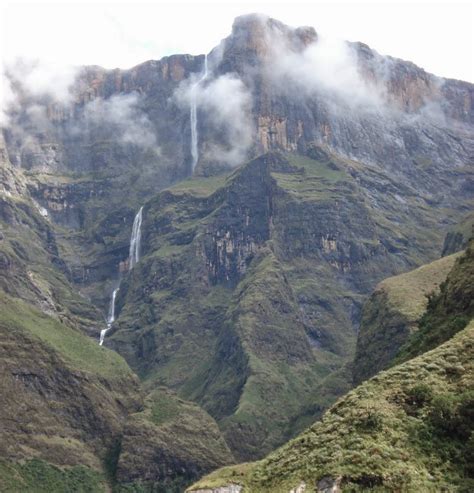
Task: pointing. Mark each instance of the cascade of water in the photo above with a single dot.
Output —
(134, 252)
(193, 116)
(110, 317)
(133, 258)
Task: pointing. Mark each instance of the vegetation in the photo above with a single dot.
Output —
(449, 311)
(393, 313)
(37, 476)
(407, 429)
(79, 351)
(168, 445)
(410, 428)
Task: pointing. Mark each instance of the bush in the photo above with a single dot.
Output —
(419, 395)
(369, 420)
(444, 414)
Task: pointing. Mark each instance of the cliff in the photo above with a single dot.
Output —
(309, 189)
(407, 428)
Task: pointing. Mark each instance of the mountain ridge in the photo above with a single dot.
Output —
(242, 312)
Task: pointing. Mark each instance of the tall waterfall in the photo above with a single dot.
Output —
(193, 116)
(133, 258)
(134, 253)
(110, 316)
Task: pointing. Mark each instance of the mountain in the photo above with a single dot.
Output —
(275, 187)
(393, 313)
(409, 428)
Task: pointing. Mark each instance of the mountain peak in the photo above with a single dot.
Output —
(255, 35)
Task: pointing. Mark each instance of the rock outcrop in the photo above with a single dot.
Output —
(248, 293)
(391, 432)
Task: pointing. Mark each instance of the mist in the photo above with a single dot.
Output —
(327, 67)
(122, 117)
(38, 99)
(226, 105)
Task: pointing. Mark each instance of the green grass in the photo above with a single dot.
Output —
(449, 311)
(410, 428)
(408, 293)
(200, 185)
(164, 407)
(79, 350)
(37, 476)
(319, 180)
(168, 445)
(379, 434)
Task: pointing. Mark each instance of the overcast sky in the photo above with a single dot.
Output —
(436, 36)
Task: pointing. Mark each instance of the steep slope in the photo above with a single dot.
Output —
(458, 237)
(393, 312)
(64, 399)
(168, 445)
(408, 428)
(448, 312)
(247, 298)
(249, 287)
(73, 417)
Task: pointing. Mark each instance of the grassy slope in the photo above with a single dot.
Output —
(36, 476)
(393, 312)
(77, 350)
(448, 312)
(64, 402)
(394, 431)
(178, 438)
(410, 428)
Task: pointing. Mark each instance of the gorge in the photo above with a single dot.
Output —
(251, 229)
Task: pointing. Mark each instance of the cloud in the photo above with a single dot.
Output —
(7, 97)
(225, 103)
(30, 90)
(30, 84)
(122, 117)
(38, 79)
(326, 66)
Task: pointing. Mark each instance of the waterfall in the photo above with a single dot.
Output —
(134, 252)
(133, 258)
(193, 116)
(110, 317)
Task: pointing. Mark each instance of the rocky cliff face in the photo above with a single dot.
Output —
(248, 295)
(392, 431)
(256, 281)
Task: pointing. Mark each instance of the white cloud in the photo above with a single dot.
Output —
(7, 97)
(40, 78)
(124, 117)
(327, 66)
(226, 103)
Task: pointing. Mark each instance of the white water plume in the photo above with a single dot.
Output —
(134, 253)
(193, 116)
(110, 317)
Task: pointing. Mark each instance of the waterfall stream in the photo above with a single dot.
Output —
(134, 252)
(133, 258)
(110, 317)
(193, 116)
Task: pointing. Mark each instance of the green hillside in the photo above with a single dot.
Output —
(409, 428)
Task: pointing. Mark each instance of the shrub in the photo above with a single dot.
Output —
(419, 395)
(444, 413)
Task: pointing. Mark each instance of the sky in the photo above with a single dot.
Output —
(436, 36)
